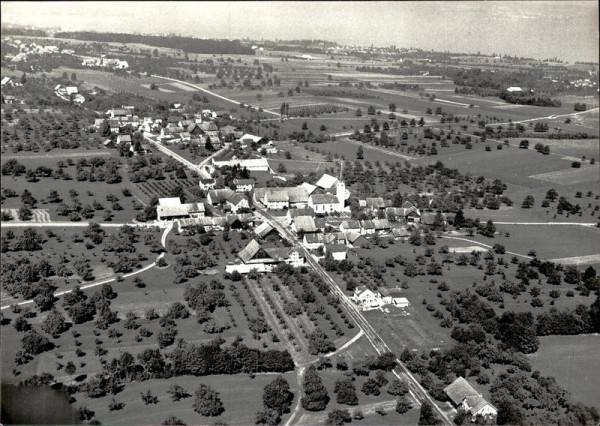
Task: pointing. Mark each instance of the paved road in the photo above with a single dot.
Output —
(59, 156)
(589, 225)
(418, 393)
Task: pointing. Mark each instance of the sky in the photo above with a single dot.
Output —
(539, 29)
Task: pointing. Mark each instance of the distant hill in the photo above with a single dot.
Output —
(187, 44)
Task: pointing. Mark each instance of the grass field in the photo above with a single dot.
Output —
(241, 397)
(572, 361)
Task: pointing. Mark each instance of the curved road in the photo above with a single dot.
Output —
(107, 280)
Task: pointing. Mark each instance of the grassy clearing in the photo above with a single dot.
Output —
(577, 357)
(241, 397)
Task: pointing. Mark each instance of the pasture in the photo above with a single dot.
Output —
(572, 361)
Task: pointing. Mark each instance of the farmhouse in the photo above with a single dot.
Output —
(314, 241)
(366, 298)
(338, 251)
(207, 184)
(249, 139)
(254, 256)
(462, 394)
(208, 223)
(251, 164)
(393, 296)
(282, 198)
(304, 224)
(293, 213)
(381, 225)
(350, 226)
(227, 198)
(243, 185)
(172, 208)
(264, 230)
(123, 139)
(375, 204)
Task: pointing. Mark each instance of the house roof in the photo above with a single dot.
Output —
(361, 289)
(277, 195)
(326, 181)
(381, 223)
(391, 292)
(263, 229)
(171, 201)
(459, 389)
(320, 223)
(252, 138)
(248, 252)
(297, 195)
(207, 181)
(279, 253)
(407, 204)
(218, 195)
(124, 138)
(235, 199)
(117, 112)
(244, 181)
(336, 248)
(476, 403)
(351, 224)
(228, 129)
(308, 187)
(367, 224)
(180, 209)
(292, 213)
(203, 221)
(319, 238)
(353, 236)
(324, 199)
(305, 224)
(377, 203)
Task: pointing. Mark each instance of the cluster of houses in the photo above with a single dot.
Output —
(69, 93)
(368, 299)
(197, 128)
(104, 62)
(26, 49)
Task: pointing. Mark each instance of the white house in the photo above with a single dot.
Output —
(172, 208)
(207, 184)
(393, 296)
(514, 89)
(366, 298)
(462, 394)
(338, 251)
(243, 185)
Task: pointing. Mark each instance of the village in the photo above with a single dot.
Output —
(295, 232)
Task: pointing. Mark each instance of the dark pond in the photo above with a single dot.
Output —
(35, 405)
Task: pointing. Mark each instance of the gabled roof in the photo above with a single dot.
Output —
(381, 223)
(292, 213)
(408, 204)
(249, 251)
(351, 224)
(391, 292)
(352, 236)
(124, 138)
(170, 201)
(305, 224)
(277, 253)
(459, 389)
(207, 181)
(308, 187)
(297, 195)
(326, 181)
(252, 138)
(320, 223)
(375, 203)
(244, 182)
(476, 403)
(367, 224)
(263, 229)
(277, 195)
(324, 199)
(235, 199)
(336, 248)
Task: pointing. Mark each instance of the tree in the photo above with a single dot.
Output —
(518, 330)
(277, 396)
(397, 388)
(24, 79)
(207, 401)
(54, 324)
(427, 416)
(281, 168)
(509, 414)
(528, 202)
(148, 398)
(172, 420)
(315, 394)
(338, 417)
(489, 229)
(403, 405)
(73, 76)
(25, 213)
(358, 113)
(551, 194)
(177, 392)
(371, 110)
(318, 343)
(346, 392)
(359, 153)
(34, 343)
